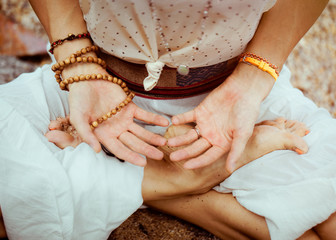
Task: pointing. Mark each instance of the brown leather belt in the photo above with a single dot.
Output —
(171, 85)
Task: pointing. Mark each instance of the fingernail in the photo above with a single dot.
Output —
(307, 132)
(51, 129)
(298, 151)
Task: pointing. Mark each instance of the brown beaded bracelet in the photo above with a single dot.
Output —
(64, 83)
(107, 77)
(90, 59)
(114, 111)
(77, 56)
(70, 37)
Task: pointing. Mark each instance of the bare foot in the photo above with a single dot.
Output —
(166, 179)
(174, 180)
(62, 133)
(279, 134)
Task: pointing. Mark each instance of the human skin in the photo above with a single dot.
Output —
(169, 187)
(241, 94)
(90, 100)
(239, 97)
(241, 109)
(167, 179)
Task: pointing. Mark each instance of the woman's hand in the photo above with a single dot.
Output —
(225, 119)
(92, 99)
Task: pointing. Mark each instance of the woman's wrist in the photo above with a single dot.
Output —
(63, 51)
(251, 79)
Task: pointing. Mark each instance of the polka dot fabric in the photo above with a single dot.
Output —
(126, 29)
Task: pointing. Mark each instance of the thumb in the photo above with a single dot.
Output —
(182, 118)
(237, 149)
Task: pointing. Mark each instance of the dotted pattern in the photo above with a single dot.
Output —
(126, 29)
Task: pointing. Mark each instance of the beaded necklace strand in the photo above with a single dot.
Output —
(182, 69)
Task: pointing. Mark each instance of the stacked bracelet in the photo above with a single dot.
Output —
(70, 37)
(64, 84)
(261, 63)
(78, 58)
(114, 111)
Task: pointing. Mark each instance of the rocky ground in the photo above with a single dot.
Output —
(313, 64)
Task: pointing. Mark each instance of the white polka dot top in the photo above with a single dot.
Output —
(173, 32)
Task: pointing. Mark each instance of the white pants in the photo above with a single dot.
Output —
(48, 193)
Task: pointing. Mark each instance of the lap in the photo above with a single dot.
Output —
(56, 188)
(284, 187)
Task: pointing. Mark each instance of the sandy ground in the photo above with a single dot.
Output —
(313, 65)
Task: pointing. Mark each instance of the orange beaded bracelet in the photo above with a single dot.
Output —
(261, 63)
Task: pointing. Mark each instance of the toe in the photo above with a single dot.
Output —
(297, 128)
(296, 143)
(281, 120)
(62, 139)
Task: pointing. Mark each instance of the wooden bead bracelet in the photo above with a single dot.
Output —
(114, 111)
(70, 61)
(64, 84)
(78, 58)
(107, 77)
(61, 64)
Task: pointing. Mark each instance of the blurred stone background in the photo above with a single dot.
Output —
(312, 62)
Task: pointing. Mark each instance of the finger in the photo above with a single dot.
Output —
(189, 137)
(210, 156)
(151, 118)
(237, 148)
(186, 117)
(62, 139)
(139, 146)
(122, 152)
(84, 130)
(147, 136)
(191, 151)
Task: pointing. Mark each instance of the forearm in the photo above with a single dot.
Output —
(278, 32)
(60, 18)
(281, 28)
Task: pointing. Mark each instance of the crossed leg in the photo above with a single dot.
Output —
(220, 213)
(187, 194)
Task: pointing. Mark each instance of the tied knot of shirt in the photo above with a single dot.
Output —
(154, 70)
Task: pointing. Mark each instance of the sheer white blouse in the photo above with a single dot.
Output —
(128, 30)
